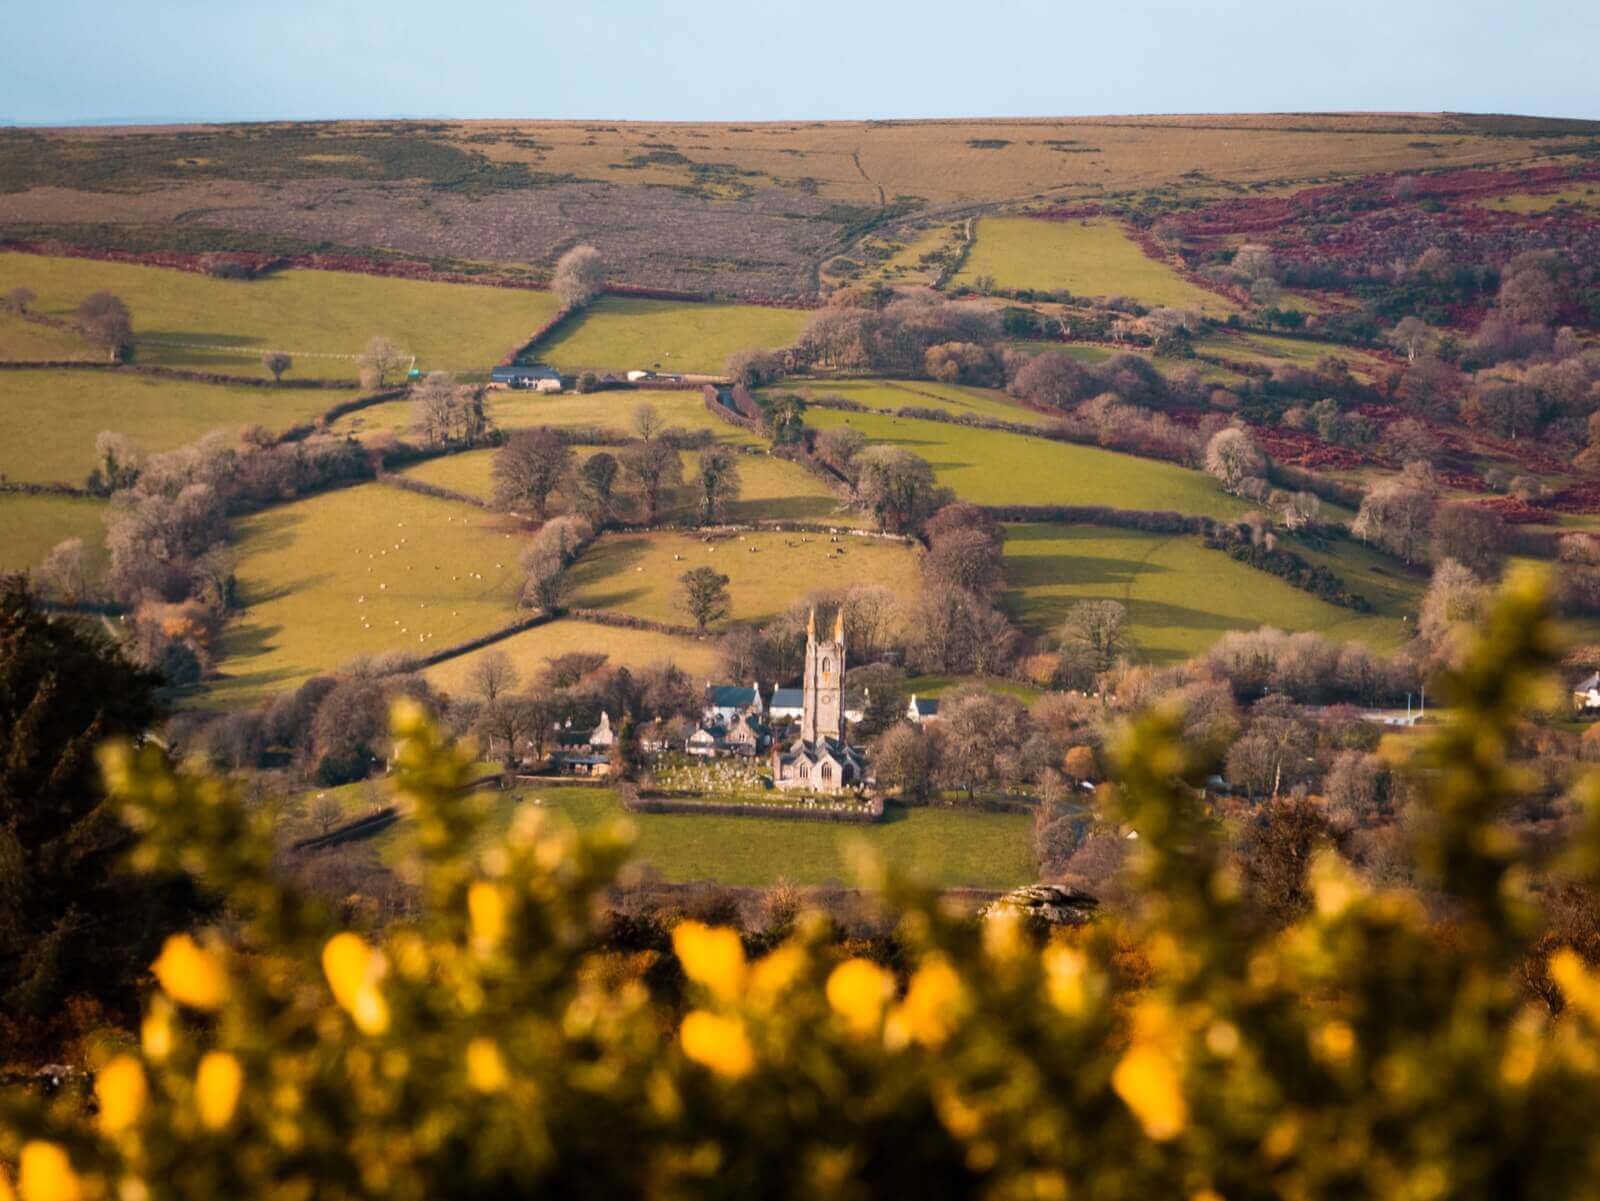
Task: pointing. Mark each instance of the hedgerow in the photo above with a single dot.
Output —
(491, 1048)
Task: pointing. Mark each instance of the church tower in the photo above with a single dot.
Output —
(823, 713)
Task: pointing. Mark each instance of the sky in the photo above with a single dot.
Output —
(239, 60)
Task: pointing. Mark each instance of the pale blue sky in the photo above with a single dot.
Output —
(75, 60)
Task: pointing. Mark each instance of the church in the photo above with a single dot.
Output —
(819, 759)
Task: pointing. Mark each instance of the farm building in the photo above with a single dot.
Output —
(536, 376)
(921, 709)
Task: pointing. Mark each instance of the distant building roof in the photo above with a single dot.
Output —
(520, 371)
(731, 696)
(1588, 682)
(789, 698)
(925, 706)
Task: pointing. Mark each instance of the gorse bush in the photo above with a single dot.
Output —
(493, 1049)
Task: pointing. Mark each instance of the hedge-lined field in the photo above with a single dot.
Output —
(31, 525)
(946, 847)
(50, 419)
(1181, 596)
(888, 395)
(991, 467)
(638, 574)
(1086, 257)
(28, 341)
(611, 410)
(432, 573)
(619, 333)
(531, 649)
(770, 489)
(464, 328)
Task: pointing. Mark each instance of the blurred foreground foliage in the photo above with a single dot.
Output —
(1369, 1050)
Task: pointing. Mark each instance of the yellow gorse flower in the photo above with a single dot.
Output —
(775, 974)
(217, 1085)
(189, 974)
(486, 1067)
(858, 990)
(712, 957)
(353, 970)
(1147, 1081)
(121, 1089)
(44, 1173)
(486, 909)
(718, 1042)
(933, 1003)
(1580, 988)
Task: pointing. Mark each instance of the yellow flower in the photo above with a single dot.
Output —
(353, 970)
(719, 1043)
(858, 990)
(933, 1003)
(1065, 979)
(486, 907)
(774, 974)
(45, 1174)
(486, 1068)
(1148, 1084)
(711, 957)
(155, 1033)
(5, 1187)
(1578, 986)
(191, 975)
(121, 1089)
(216, 1088)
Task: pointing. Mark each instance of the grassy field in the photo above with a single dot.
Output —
(1586, 196)
(323, 318)
(1272, 349)
(1180, 596)
(771, 489)
(638, 573)
(989, 467)
(49, 419)
(1088, 258)
(27, 340)
(31, 525)
(530, 650)
(888, 395)
(607, 410)
(945, 847)
(431, 573)
(619, 333)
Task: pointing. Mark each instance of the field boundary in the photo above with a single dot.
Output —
(635, 801)
(176, 373)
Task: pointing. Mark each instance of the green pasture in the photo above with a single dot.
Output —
(322, 318)
(530, 650)
(946, 847)
(1584, 196)
(889, 395)
(618, 333)
(30, 527)
(1273, 348)
(1170, 364)
(992, 467)
(638, 574)
(1087, 258)
(611, 410)
(1180, 595)
(50, 419)
(770, 489)
(362, 571)
(22, 341)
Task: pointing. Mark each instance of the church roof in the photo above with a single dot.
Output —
(732, 696)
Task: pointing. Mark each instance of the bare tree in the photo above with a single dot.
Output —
(580, 276)
(655, 470)
(65, 570)
(897, 488)
(547, 583)
(277, 362)
(433, 407)
(104, 320)
(903, 760)
(647, 421)
(529, 467)
(716, 482)
(597, 483)
(1100, 628)
(1397, 517)
(380, 359)
(326, 812)
(492, 675)
(1232, 456)
(1473, 536)
(1412, 336)
(704, 595)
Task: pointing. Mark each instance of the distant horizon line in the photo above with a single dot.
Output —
(172, 120)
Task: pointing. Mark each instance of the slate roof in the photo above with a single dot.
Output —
(731, 696)
(789, 698)
(925, 706)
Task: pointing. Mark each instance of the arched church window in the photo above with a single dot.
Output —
(827, 665)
